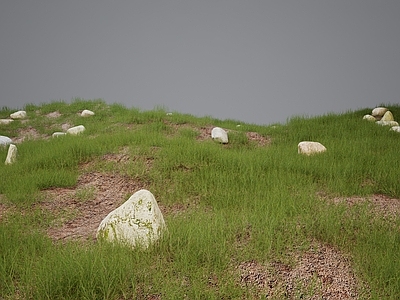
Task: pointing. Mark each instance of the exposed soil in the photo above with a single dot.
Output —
(258, 138)
(53, 115)
(322, 272)
(380, 205)
(96, 195)
(28, 133)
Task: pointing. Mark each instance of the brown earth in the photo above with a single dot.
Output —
(322, 272)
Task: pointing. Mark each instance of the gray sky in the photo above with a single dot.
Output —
(255, 61)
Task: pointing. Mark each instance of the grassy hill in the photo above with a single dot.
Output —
(252, 219)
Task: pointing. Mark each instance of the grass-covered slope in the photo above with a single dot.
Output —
(243, 218)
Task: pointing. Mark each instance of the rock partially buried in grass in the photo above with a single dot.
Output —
(369, 118)
(137, 222)
(87, 113)
(395, 128)
(76, 130)
(58, 134)
(5, 140)
(21, 114)
(5, 121)
(387, 123)
(388, 116)
(220, 135)
(11, 155)
(309, 148)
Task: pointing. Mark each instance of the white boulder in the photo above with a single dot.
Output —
(369, 118)
(309, 148)
(137, 222)
(387, 123)
(5, 140)
(11, 155)
(219, 135)
(5, 121)
(21, 114)
(76, 130)
(87, 113)
(388, 116)
(395, 128)
(379, 111)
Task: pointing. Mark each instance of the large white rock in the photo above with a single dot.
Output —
(388, 116)
(309, 148)
(137, 222)
(11, 155)
(5, 121)
(219, 135)
(76, 129)
(21, 114)
(87, 113)
(379, 111)
(5, 140)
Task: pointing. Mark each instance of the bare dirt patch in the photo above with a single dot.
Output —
(258, 138)
(28, 133)
(121, 157)
(204, 133)
(96, 195)
(53, 115)
(322, 272)
(65, 126)
(379, 204)
(4, 208)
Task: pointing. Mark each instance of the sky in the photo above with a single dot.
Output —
(258, 62)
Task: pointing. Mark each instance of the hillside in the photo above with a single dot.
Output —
(249, 219)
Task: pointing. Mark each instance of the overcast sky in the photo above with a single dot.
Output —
(254, 61)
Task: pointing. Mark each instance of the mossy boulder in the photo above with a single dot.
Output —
(137, 222)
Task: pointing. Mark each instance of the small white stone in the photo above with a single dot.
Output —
(5, 140)
(369, 118)
(76, 130)
(6, 121)
(58, 134)
(395, 128)
(87, 113)
(219, 135)
(21, 114)
(309, 148)
(11, 155)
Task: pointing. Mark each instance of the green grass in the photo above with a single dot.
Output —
(243, 202)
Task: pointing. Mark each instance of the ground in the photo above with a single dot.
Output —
(322, 270)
